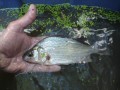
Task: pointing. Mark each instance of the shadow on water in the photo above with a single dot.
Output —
(100, 74)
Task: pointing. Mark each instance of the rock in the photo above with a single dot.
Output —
(101, 73)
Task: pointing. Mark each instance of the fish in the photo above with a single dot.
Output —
(59, 51)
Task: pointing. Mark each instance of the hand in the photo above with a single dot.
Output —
(13, 44)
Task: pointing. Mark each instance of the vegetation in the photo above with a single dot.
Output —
(65, 16)
(1, 27)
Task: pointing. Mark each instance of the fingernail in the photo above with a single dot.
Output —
(57, 68)
(32, 7)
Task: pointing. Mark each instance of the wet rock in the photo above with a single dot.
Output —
(100, 74)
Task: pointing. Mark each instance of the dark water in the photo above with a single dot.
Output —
(101, 74)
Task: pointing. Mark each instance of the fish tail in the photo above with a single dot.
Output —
(102, 49)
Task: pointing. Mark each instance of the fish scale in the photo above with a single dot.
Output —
(60, 51)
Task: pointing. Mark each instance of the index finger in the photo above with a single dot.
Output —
(23, 22)
(30, 67)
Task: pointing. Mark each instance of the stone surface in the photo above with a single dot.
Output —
(100, 74)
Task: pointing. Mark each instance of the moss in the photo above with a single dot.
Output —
(1, 27)
(110, 15)
(66, 16)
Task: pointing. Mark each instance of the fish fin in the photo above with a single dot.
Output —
(102, 49)
(101, 40)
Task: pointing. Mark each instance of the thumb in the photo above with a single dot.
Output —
(21, 23)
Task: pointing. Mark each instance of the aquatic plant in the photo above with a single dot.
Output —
(65, 16)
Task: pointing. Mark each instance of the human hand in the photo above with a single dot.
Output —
(14, 42)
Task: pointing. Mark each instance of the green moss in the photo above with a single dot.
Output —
(66, 16)
(1, 27)
(110, 15)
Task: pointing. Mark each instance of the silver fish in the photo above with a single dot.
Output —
(60, 51)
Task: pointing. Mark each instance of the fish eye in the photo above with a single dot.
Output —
(30, 54)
